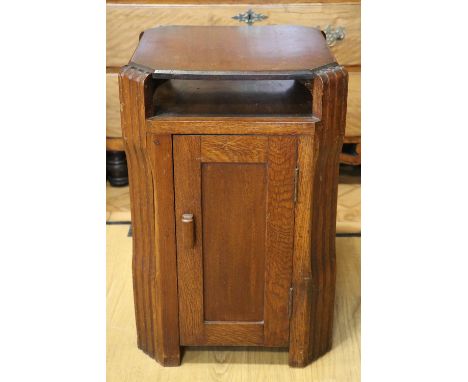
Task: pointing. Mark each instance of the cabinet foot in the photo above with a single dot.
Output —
(170, 361)
(164, 359)
(302, 360)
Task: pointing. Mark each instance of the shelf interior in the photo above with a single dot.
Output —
(217, 98)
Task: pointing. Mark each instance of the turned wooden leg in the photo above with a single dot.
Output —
(314, 271)
(116, 168)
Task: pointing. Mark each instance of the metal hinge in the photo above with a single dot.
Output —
(290, 302)
(296, 180)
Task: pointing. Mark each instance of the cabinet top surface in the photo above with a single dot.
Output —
(261, 52)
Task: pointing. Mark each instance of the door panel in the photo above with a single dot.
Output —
(234, 281)
(234, 216)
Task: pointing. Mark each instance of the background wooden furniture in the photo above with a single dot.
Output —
(249, 187)
(126, 20)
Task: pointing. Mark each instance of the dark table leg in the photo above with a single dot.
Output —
(116, 168)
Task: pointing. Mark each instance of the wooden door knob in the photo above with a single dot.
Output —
(187, 218)
(188, 230)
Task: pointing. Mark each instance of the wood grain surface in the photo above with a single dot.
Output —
(194, 330)
(125, 22)
(126, 363)
(353, 116)
(234, 240)
(280, 237)
(113, 123)
(351, 153)
(154, 266)
(348, 218)
(206, 50)
(298, 294)
(240, 190)
(233, 97)
(247, 2)
(232, 125)
(228, 148)
(114, 144)
(186, 161)
(314, 268)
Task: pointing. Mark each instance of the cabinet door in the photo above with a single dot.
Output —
(234, 258)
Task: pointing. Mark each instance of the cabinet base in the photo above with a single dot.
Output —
(299, 361)
(295, 360)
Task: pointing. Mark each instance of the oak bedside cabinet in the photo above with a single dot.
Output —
(233, 137)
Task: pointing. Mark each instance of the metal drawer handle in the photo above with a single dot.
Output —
(333, 35)
(249, 17)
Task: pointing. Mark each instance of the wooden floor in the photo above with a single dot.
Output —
(126, 363)
(348, 212)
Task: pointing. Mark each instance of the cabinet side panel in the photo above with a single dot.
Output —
(314, 265)
(154, 256)
(164, 272)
